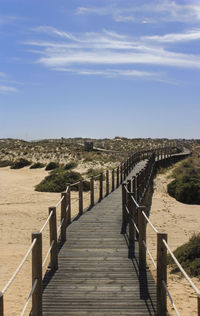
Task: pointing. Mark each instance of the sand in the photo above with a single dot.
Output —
(180, 222)
(23, 210)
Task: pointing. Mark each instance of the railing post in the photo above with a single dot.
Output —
(100, 186)
(117, 177)
(107, 182)
(92, 191)
(161, 275)
(121, 173)
(131, 248)
(113, 180)
(63, 216)
(124, 171)
(68, 203)
(37, 274)
(136, 186)
(124, 212)
(80, 197)
(142, 237)
(53, 238)
(1, 304)
(198, 305)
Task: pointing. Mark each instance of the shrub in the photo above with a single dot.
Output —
(186, 186)
(189, 256)
(57, 180)
(5, 163)
(95, 172)
(20, 163)
(37, 165)
(71, 165)
(52, 165)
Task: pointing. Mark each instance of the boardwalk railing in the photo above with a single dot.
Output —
(100, 186)
(134, 215)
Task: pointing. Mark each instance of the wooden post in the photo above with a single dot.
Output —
(107, 182)
(53, 237)
(1, 304)
(131, 248)
(113, 180)
(142, 237)
(80, 197)
(136, 185)
(161, 275)
(124, 212)
(100, 186)
(37, 274)
(63, 216)
(198, 305)
(117, 177)
(121, 173)
(124, 173)
(92, 191)
(68, 204)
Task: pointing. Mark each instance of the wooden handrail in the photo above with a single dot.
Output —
(136, 189)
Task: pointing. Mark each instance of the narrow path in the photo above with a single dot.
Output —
(95, 276)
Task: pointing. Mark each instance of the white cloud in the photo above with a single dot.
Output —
(7, 89)
(2, 74)
(111, 48)
(154, 11)
(175, 37)
(110, 72)
(116, 58)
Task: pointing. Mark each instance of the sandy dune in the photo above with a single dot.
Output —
(179, 221)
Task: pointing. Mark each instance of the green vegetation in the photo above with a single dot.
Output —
(189, 257)
(186, 186)
(57, 180)
(5, 163)
(95, 172)
(52, 165)
(20, 163)
(37, 165)
(71, 165)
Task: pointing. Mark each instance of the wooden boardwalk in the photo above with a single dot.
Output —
(95, 276)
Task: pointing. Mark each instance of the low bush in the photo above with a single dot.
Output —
(57, 180)
(71, 165)
(52, 165)
(20, 163)
(5, 163)
(37, 165)
(189, 257)
(185, 187)
(95, 172)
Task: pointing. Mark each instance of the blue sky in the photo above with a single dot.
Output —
(99, 68)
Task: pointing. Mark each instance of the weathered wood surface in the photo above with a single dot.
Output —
(95, 276)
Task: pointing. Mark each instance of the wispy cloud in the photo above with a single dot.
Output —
(112, 73)
(109, 48)
(151, 12)
(7, 89)
(190, 35)
(10, 19)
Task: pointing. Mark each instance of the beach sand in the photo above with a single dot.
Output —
(23, 211)
(180, 221)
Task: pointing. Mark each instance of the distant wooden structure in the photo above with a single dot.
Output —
(88, 145)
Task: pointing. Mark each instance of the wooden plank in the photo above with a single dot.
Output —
(95, 276)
